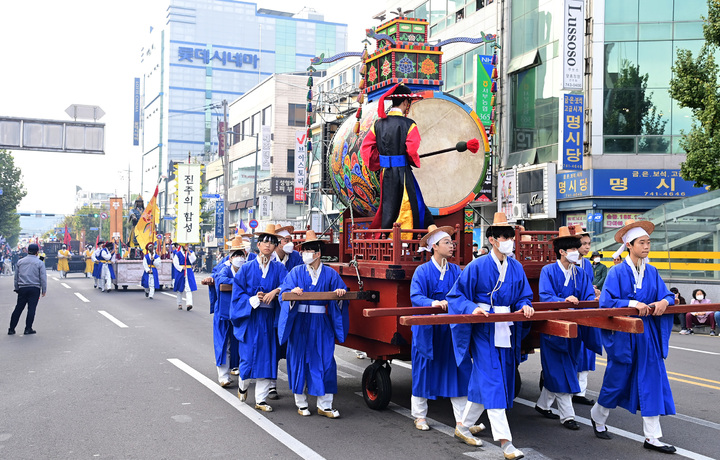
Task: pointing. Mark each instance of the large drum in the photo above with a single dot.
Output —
(448, 181)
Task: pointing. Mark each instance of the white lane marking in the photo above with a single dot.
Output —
(344, 375)
(625, 434)
(347, 365)
(171, 295)
(696, 351)
(56, 279)
(81, 297)
(112, 318)
(65, 285)
(263, 423)
(397, 362)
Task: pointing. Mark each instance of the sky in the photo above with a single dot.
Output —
(87, 52)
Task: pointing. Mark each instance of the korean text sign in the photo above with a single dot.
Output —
(643, 183)
(300, 160)
(573, 120)
(187, 225)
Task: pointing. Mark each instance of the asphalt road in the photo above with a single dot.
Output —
(115, 375)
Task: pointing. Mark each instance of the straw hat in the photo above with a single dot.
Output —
(500, 220)
(279, 229)
(648, 226)
(311, 237)
(563, 233)
(447, 229)
(577, 230)
(236, 243)
(269, 230)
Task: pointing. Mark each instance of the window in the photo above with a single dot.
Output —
(267, 116)
(291, 160)
(296, 115)
(245, 128)
(236, 133)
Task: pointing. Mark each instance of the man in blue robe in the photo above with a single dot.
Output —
(587, 356)
(184, 283)
(310, 329)
(97, 268)
(635, 376)
(491, 284)
(434, 372)
(224, 341)
(254, 313)
(563, 281)
(151, 262)
(107, 273)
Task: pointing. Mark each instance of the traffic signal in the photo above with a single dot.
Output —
(95, 215)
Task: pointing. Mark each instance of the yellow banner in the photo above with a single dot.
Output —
(145, 228)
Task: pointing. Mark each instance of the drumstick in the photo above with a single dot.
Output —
(473, 145)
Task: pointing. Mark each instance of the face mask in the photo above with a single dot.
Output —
(506, 247)
(238, 261)
(573, 257)
(288, 248)
(597, 260)
(699, 296)
(308, 257)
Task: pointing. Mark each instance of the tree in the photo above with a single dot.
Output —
(695, 85)
(85, 218)
(12, 192)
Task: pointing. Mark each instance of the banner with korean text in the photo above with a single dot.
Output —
(136, 113)
(573, 45)
(300, 160)
(116, 218)
(187, 203)
(483, 84)
(265, 138)
(572, 132)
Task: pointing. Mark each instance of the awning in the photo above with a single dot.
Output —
(524, 62)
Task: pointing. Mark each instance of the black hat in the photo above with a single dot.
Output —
(33, 248)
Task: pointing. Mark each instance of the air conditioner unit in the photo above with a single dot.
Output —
(519, 211)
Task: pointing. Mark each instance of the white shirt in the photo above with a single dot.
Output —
(314, 274)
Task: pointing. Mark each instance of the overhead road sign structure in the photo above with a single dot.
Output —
(52, 135)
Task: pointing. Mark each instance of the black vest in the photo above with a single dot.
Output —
(391, 133)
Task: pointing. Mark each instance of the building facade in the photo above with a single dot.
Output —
(206, 51)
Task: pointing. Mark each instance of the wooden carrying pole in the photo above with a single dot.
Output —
(568, 315)
(402, 311)
(372, 296)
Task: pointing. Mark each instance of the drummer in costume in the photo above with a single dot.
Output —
(563, 281)
(434, 372)
(491, 284)
(89, 262)
(635, 376)
(225, 343)
(63, 257)
(184, 276)
(391, 146)
(151, 262)
(97, 268)
(310, 329)
(107, 273)
(254, 313)
(587, 356)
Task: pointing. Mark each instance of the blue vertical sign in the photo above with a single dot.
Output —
(573, 120)
(219, 218)
(136, 113)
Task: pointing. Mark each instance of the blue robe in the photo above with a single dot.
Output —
(107, 262)
(173, 272)
(311, 337)
(222, 327)
(434, 372)
(492, 381)
(255, 328)
(587, 356)
(145, 281)
(213, 291)
(179, 285)
(97, 268)
(294, 260)
(560, 357)
(635, 377)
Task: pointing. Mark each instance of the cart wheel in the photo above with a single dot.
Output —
(376, 385)
(124, 288)
(518, 382)
(117, 287)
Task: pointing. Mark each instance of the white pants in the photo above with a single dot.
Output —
(497, 417)
(106, 279)
(187, 292)
(262, 388)
(651, 425)
(419, 407)
(582, 379)
(564, 403)
(224, 369)
(323, 402)
(151, 286)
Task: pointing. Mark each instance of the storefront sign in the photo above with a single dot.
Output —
(205, 56)
(264, 206)
(535, 188)
(574, 184)
(617, 219)
(136, 112)
(265, 148)
(507, 190)
(575, 219)
(219, 219)
(573, 120)
(300, 158)
(660, 183)
(573, 45)
(483, 95)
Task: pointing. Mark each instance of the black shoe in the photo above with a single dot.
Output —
(600, 434)
(547, 413)
(571, 425)
(541, 383)
(189, 307)
(665, 449)
(583, 400)
(29, 331)
(147, 294)
(11, 331)
(273, 394)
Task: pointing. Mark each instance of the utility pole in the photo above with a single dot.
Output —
(226, 173)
